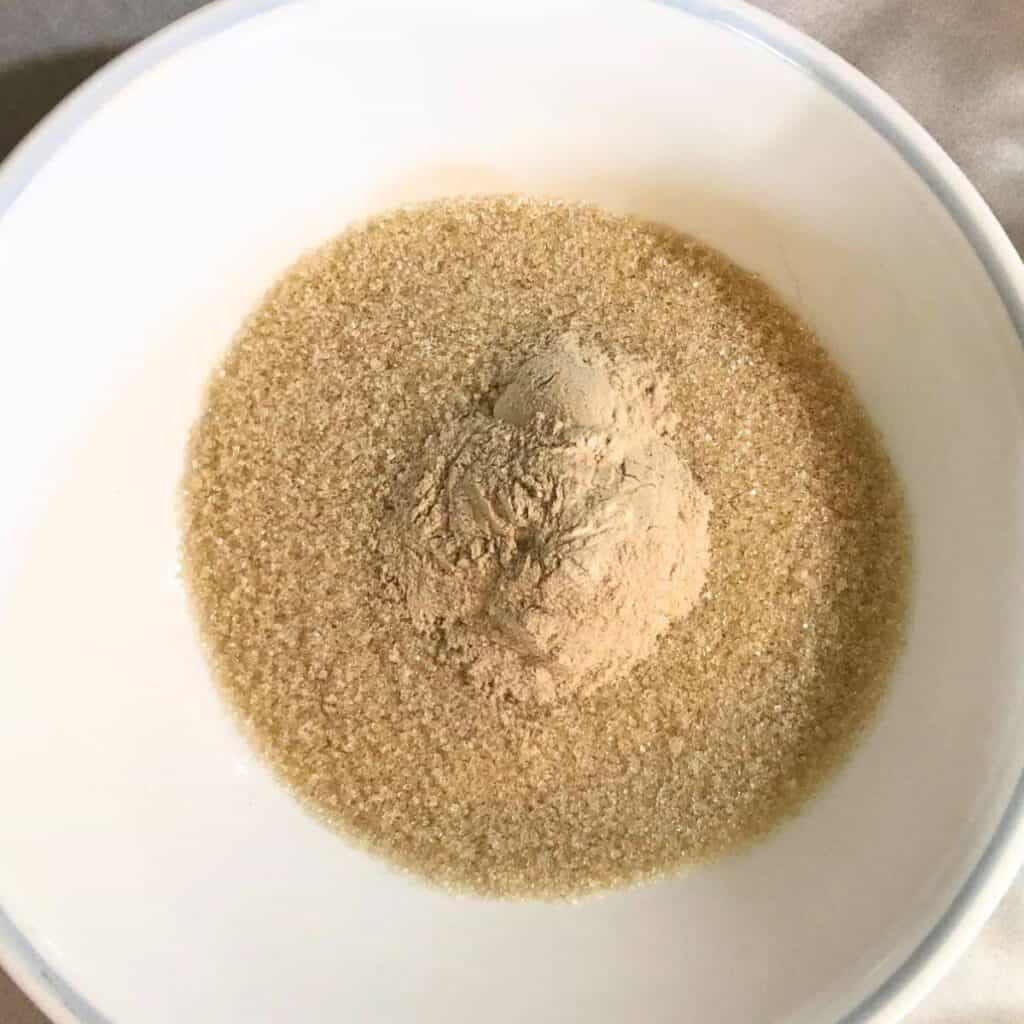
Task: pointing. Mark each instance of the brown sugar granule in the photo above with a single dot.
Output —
(350, 364)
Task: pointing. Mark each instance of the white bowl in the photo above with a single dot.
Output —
(150, 869)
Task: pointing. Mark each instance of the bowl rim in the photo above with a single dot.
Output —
(896, 994)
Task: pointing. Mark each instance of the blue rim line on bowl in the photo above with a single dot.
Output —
(896, 993)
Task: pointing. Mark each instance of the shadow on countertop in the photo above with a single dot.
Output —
(30, 90)
(15, 1006)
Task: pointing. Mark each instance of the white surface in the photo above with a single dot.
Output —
(142, 850)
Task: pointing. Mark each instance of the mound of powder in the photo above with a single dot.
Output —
(548, 545)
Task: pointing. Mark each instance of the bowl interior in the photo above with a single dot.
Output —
(143, 851)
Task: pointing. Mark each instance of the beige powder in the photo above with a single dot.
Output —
(546, 544)
(356, 357)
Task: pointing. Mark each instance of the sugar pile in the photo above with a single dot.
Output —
(423, 317)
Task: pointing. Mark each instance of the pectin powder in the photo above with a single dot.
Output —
(360, 355)
(547, 540)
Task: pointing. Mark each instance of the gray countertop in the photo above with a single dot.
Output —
(957, 67)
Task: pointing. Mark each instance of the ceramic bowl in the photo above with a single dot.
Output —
(151, 870)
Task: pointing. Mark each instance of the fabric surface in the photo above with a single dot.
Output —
(956, 65)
